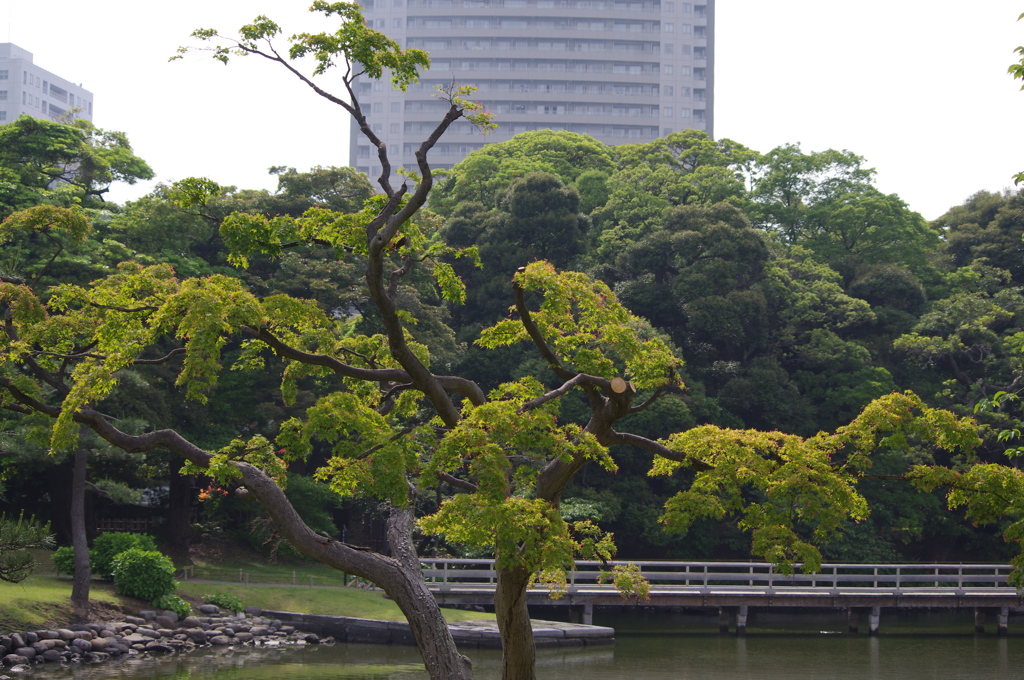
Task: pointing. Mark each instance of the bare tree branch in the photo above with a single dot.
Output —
(537, 336)
(457, 483)
(654, 447)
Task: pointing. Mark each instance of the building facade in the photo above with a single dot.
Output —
(28, 89)
(621, 71)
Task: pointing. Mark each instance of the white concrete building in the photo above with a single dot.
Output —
(622, 71)
(28, 89)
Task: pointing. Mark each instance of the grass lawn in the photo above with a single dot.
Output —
(364, 604)
(44, 601)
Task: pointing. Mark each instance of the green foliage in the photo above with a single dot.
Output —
(485, 174)
(629, 581)
(16, 536)
(586, 324)
(989, 493)
(63, 559)
(45, 161)
(354, 44)
(798, 482)
(683, 168)
(172, 602)
(225, 601)
(109, 545)
(145, 574)
(826, 201)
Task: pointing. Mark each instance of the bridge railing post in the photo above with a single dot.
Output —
(897, 577)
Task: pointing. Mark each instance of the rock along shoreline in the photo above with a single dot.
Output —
(150, 633)
(153, 633)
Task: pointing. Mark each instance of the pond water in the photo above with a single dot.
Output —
(648, 647)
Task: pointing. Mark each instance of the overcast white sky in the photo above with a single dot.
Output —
(918, 87)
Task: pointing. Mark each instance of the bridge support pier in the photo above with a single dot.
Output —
(582, 613)
(741, 620)
(853, 620)
(979, 620)
(873, 620)
(1004, 619)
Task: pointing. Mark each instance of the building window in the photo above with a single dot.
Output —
(3, 74)
(378, 129)
(684, 113)
(3, 95)
(669, 48)
(397, 23)
(378, 108)
(667, 91)
(3, 115)
(670, 6)
(666, 111)
(698, 114)
(396, 107)
(670, 27)
(687, 7)
(394, 128)
(667, 69)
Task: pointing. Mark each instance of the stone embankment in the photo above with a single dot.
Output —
(148, 633)
(467, 634)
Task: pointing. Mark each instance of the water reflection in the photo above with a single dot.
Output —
(647, 648)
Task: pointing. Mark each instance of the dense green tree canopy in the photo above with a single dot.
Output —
(64, 163)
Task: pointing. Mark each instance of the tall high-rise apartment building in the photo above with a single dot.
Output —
(27, 89)
(622, 71)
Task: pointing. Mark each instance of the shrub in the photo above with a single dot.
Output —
(145, 574)
(174, 604)
(64, 560)
(225, 601)
(108, 546)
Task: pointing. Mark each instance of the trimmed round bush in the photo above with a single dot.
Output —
(64, 560)
(174, 604)
(109, 545)
(145, 574)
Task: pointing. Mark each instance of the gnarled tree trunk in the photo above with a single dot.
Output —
(399, 576)
(518, 650)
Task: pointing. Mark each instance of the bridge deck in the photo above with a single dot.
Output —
(710, 584)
